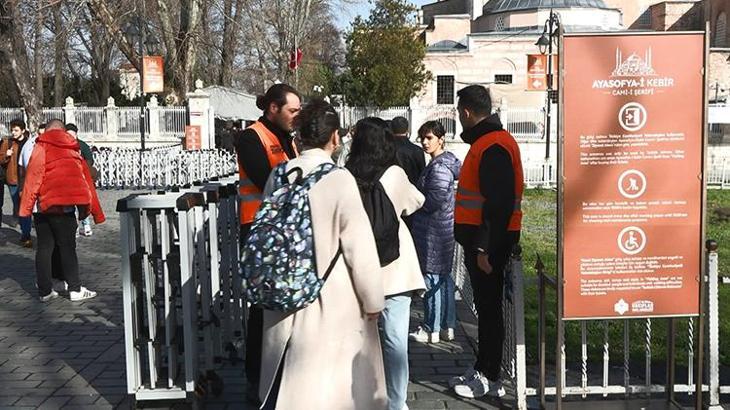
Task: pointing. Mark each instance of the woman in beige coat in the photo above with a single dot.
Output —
(327, 355)
(372, 157)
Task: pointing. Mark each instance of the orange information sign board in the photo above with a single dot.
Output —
(154, 74)
(632, 166)
(537, 72)
(192, 137)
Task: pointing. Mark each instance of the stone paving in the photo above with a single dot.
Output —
(71, 355)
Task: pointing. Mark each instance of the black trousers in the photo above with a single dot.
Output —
(254, 331)
(56, 231)
(488, 291)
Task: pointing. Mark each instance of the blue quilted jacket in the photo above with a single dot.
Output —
(433, 225)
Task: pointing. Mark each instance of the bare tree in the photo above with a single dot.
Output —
(14, 52)
(61, 34)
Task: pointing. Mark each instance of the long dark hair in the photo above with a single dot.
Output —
(317, 122)
(372, 151)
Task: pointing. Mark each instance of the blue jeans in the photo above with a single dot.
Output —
(394, 323)
(25, 223)
(439, 303)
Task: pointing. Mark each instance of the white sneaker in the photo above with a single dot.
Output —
(422, 336)
(480, 386)
(82, 294)
(49, 296)
(87, 230)
(447, 335)
(463, 379)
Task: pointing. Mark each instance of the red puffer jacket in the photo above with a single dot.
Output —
(58, 178)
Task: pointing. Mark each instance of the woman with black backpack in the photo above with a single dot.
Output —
(320, 339)
(387, 196)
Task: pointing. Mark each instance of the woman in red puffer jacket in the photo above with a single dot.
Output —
(59, 179)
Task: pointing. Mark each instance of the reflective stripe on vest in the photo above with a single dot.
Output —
(469, 200)
(250, 196)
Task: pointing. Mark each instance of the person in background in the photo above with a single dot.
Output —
(433, 233)
(409, 155)
(259, 148)
(327, 355)
(343, 150)
(88, 156)
(488, 218)
(59, 181)
(10, 149)
(371, 160)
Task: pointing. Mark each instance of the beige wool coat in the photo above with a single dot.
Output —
(333, 358)
(404, 274)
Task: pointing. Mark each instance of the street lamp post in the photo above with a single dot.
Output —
(137, 31)
(545, 42)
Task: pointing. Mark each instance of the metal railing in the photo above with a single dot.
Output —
(582, 382)
(110, 123)
(525, 124)
(514, 357)
(162, 168)
(349, 116)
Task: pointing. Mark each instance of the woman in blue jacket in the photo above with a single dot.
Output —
(433, 232)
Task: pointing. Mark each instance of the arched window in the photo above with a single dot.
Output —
(720, 39)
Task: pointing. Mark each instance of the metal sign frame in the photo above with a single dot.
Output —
(560, 320)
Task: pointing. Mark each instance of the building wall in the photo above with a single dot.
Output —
(449, 27)
(719, 74)
(442, 8)
(486, 59)
(677, 16)
(631, 11)
(714, 8)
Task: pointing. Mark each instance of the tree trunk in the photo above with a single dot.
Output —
(13, 48)
(231, 24)
(190, 15)
(38, 53)
(61, 34)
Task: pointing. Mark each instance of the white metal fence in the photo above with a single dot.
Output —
(579, 374)
(349, 116)
(110, 123)
(161, 167)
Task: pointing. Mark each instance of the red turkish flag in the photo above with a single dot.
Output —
(295, 59)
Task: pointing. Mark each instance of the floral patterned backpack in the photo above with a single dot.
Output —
(278, 262)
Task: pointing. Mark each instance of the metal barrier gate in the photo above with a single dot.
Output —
(179, 276)
(514, 363)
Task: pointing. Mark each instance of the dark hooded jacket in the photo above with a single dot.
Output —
(433, 224)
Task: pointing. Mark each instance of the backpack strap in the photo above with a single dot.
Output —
(332, 264)
(280, 176)
(318, 173)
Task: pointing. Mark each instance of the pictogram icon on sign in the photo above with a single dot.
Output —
(631, 240)
(632, 184)
(632, 116)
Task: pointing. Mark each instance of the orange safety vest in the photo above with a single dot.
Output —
(249, 195)
(469, 200)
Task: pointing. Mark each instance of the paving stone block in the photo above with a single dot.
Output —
(55, 402)
(84, 399)
(426, 404)
(31, 401)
